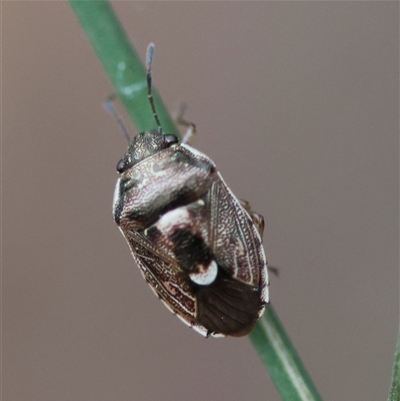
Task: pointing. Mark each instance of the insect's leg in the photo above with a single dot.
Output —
(258, 221)
(191, 127)
(109, 106)
(257, 218)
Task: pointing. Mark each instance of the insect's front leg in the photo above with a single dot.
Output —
(191, 131)
(257, 218)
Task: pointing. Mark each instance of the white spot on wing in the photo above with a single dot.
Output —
(218, 335)
(116, 196)
(175, 218)
(205, 274)
(200, 329)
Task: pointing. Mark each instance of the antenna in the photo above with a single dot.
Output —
(149, 60)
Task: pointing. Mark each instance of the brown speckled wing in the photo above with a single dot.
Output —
(164, 276)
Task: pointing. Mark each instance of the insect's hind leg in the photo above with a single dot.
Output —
(258, 221)
(257, 218)
(191, 131)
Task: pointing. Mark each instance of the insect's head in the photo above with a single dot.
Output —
(145, 145)
(150, 142)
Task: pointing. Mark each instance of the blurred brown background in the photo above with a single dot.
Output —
(297, 103)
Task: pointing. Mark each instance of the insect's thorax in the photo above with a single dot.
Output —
(169, 178)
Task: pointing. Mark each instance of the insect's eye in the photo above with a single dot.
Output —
(121, 166)
(170, 139)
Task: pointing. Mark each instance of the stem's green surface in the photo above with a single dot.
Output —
(127, 74)
(121, 63)
(394, 391)
(281, 359)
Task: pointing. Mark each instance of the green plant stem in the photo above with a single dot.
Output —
(127, 74)
(121, 63)
(281, 359)
(394, 391)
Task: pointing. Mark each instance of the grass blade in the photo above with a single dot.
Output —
(281, 359)
(394, 391)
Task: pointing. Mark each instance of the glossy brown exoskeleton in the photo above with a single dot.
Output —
(196, 244)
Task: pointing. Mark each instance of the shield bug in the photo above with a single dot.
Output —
(197, 245)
